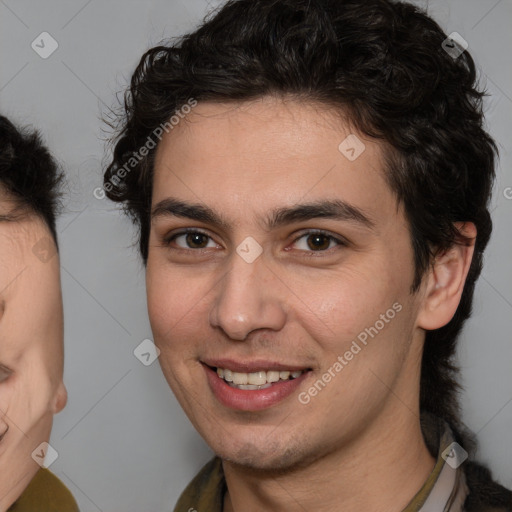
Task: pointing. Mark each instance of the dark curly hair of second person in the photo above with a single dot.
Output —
(381, 64)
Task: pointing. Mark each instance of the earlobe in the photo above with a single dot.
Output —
(446, 279)
(61, 398)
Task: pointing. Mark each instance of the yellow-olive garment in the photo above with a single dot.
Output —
(445, 489)
(45, 493)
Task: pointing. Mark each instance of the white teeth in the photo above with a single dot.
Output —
(272, 376)
(256, 380)
(240, 378)
(251, 387)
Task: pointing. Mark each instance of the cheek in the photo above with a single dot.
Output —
(29, 423)
(173, 320)
(26, 398)
(365, 322)
(338, 306)
(174, 298)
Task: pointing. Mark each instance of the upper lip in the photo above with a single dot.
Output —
(252, 366)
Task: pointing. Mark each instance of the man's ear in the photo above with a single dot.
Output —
(446, 279)
(60, 399)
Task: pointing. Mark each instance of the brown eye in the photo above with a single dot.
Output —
(317, 241)
(190, 239)
(196, 240)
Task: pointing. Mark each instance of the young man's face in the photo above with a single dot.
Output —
(31, 347)
(297, 306)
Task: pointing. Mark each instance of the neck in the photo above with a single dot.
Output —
(382, 469)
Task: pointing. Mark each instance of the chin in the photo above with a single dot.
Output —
(268, 455)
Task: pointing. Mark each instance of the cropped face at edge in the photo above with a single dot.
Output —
(322, 292)
(31, 347)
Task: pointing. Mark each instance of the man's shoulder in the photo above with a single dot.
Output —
(45, 493)
(485, 494)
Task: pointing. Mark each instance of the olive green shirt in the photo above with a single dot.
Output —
(444, 490)
(45, 493)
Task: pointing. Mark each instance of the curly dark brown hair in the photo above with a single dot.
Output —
(384, 65)
(29, 174)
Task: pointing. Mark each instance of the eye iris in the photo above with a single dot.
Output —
(318, 241)
(196, 239)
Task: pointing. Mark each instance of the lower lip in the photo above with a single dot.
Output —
(251, 400)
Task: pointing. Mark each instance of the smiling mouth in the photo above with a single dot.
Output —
(256, 380)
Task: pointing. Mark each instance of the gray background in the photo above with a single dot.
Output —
(123, 442)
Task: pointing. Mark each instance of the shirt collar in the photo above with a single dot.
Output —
(445, 489)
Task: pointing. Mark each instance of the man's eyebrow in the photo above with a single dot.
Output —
(171, 207)
(327, 209)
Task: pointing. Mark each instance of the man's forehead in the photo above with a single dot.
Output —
(300, 124)
(212, 179)
(22, 267)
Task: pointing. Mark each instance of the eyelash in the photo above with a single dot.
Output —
(340, 242)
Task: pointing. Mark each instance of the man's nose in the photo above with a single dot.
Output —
(249, 297)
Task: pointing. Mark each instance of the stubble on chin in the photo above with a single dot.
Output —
(272, 460)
